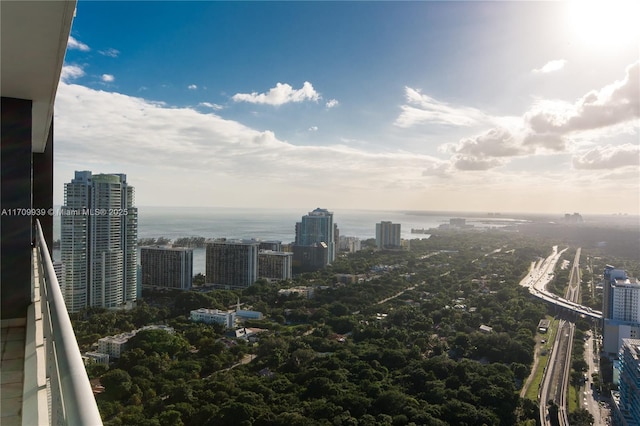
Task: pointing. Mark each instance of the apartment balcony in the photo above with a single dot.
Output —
(44, 381)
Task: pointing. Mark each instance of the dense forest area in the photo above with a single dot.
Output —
(401, 345)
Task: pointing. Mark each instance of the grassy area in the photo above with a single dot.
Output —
(573, 399)
(532, 391)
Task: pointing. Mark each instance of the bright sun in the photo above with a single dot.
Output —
(606, 23)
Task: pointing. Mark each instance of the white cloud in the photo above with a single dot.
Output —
(331, 103)
(551, 66)
(608, 157)
(77, 45)
(313, 128)
(107, 78)
(71, 72)
(111, 52)
(192, 87)
(98, 127)
(425, 109)
(211, 105)
(281, 94)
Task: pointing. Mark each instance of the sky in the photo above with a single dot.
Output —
(438, 106)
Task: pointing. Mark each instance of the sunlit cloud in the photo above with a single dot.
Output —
(281, 94)
(421, 109)
(497, 142)
(608, 157)
(111, 52)
(550, 125)
(71, 72)
(192, 87)
(77, 45)
(107, 78)
(313, 128)
(551, 66)
(616, 103)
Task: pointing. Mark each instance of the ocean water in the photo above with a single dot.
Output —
(270, 224)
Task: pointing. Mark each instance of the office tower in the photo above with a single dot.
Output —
(388, 235)
(168, 267)
(626, 401)
(310, 258)
(98, 245)
(274, 265)
(232, 264)
(315, 228)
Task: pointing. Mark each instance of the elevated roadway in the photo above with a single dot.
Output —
(541, 273)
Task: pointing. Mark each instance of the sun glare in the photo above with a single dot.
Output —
(605, 23)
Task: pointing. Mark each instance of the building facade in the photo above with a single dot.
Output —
(99, 238)
(388, 235)
(168, 267)
(626, 401)
(231, 264)
(275, 265)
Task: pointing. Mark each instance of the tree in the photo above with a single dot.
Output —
(117, 383)
(170, 418)
(158, 341)
(581, 417)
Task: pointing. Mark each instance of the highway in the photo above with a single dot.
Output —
(541, 274)
(555, 381)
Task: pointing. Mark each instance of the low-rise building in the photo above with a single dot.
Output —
(302, 291)
(211, 316)
(95, 358)
(115, 345)
(243, 314)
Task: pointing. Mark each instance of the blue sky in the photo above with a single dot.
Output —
(477, 106)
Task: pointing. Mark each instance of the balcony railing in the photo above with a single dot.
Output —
(53, 351)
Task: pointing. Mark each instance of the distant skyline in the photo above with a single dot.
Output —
(438, 106)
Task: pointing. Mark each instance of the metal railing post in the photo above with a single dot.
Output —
(72, 400)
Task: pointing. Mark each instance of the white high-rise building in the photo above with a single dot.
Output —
(99, 238)
(626, 300)
(621, 309)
